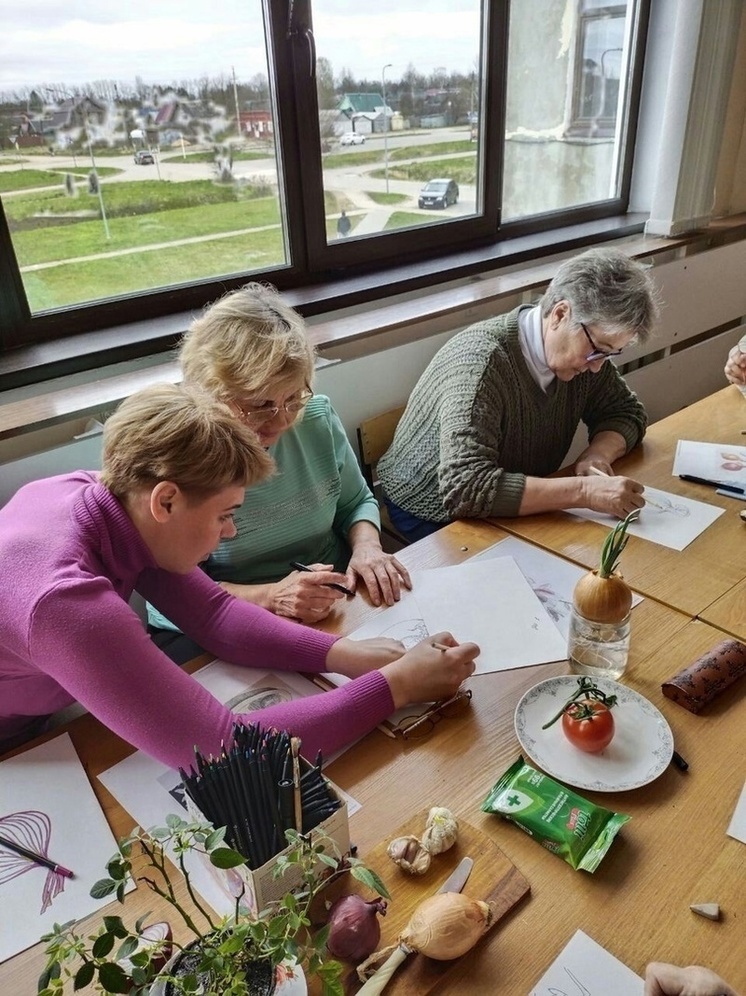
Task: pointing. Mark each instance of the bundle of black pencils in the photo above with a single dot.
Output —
(257, 788)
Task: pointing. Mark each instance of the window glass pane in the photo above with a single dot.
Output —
(566, 104)
(399, 93)
(137, 147)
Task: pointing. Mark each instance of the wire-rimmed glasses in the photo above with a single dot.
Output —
(596, 353)
(258, 416)
(422, 725)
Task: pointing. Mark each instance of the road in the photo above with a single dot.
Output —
(355, 181)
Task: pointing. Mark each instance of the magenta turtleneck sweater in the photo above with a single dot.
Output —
(70, 558)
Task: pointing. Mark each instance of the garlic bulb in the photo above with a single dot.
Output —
(409, 853)
(446, 925)
(441, 831)
(413, 854)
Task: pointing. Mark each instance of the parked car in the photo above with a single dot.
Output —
(438, 194)
(144, 158)
(352, 138)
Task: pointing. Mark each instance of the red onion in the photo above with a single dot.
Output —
(354, 930)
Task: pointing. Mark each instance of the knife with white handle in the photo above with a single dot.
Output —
(377, 982)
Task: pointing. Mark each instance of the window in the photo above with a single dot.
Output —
(599, 65)
(186, 149)
(568, 106)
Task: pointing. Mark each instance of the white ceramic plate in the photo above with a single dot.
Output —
(640, 751)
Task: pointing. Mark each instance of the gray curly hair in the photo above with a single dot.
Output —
(606, 287)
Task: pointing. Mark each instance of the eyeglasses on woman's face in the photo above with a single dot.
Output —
(596, 353)
(418, 727)
(259, 416)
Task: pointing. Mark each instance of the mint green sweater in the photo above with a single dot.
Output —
(304, 512)
(477, 424)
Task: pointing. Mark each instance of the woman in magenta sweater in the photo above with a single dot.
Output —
(75, 547)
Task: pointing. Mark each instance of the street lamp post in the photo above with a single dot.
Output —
(385, 126)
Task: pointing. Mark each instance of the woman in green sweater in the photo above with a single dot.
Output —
(251, 350)
(496, 410)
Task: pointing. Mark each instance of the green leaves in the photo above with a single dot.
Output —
(104, 887)
(84, 976)
(227, 949)
(225, 857)
(368, 877)
(614, 544)
(113, 978)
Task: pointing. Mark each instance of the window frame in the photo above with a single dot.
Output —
(157, 316)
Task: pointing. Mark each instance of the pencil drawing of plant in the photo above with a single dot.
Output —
(559, 608)
(409, 632)
(30, 829)
(665, 506)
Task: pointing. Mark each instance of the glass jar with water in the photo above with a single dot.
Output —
(598, 649)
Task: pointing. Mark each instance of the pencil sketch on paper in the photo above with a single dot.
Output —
(408, 632)
(30, 829)
(559, 608)
(664, 505)
(579, 989)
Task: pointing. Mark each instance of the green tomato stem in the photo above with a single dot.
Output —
(586, 689)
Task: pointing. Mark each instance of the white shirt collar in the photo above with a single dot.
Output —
(532, 346)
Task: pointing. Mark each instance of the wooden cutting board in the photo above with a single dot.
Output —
(494, 879)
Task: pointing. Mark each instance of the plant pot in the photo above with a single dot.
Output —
(285, 979)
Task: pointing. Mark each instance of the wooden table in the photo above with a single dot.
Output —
(673, 853)
(689, 580)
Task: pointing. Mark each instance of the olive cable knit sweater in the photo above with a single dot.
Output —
(477, 424)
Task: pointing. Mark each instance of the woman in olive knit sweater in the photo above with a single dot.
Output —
(496, 410)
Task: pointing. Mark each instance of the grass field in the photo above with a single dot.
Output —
(164, 233)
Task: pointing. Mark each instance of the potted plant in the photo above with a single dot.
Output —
(243, 955)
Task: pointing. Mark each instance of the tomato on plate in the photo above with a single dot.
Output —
(588, 725)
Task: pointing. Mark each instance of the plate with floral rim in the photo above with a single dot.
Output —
(640, 751)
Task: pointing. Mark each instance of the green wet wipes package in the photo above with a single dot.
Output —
(562, 821)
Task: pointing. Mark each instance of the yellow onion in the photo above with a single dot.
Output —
(446, 925)
(602, 600)
(603, 596)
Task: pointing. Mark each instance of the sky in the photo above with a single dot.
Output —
(72, 43)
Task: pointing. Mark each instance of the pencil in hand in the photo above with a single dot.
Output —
(327, 584)
(648, 501)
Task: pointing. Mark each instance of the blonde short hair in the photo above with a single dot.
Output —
(176, 433)
(245, 342)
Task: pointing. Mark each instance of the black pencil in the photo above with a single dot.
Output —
(38, 859)
(326, 584)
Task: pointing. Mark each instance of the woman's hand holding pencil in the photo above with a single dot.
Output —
(610, 493)
(648, 501)
(430, 671)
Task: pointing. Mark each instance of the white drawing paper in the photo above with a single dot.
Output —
(721, 462)
(401, 621)
(675, 523)
(489, 602)
(48, 806)
(584, 968)
(552, 579)
(149, 790)
(737, 827)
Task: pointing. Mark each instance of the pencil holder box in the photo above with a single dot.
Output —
(260, 888)
(709, 676)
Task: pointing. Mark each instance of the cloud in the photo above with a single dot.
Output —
(44, 41)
